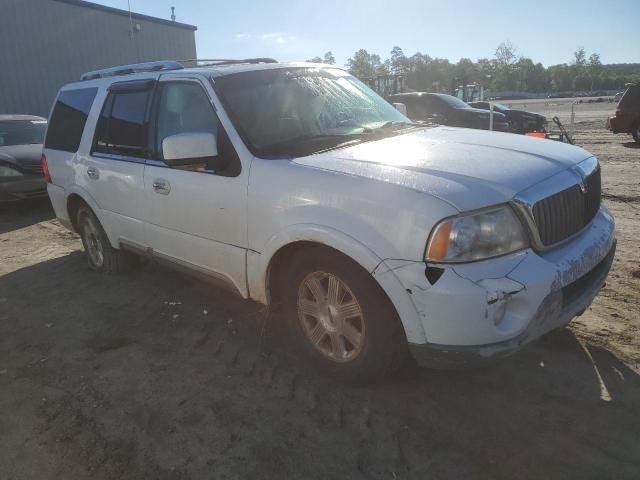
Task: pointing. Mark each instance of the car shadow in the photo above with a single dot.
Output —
(631, 145)
(16, 215)
(161, 362)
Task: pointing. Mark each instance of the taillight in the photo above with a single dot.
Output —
(45, 168)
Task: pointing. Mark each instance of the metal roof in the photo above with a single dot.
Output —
(117, 11)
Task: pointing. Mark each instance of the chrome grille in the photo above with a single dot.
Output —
(567, 212)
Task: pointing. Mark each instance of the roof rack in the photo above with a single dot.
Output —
(164, 65)
(133, 68)
(208, 62)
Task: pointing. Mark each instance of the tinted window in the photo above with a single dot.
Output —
(421, 107)
(68, 119)
(285, 112)
(631, 100)
(452, 101)
(184, 107)
(123, 128)
(22, 132)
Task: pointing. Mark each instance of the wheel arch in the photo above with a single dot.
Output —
(263, 269)
(77, 197)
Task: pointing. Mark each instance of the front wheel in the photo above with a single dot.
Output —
(101, 256)
(340, 318)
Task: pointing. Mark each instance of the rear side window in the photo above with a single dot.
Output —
(630, 101)
(68, 119)
(123, 126)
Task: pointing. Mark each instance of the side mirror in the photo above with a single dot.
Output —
(401, 107)
(188, 148)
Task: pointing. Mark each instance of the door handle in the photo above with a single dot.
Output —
(161, 186)
(92, 172)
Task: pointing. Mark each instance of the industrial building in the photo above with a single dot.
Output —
(47, 43)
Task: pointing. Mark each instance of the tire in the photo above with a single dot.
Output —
(340, 318)
(101, 256)
(636, 132)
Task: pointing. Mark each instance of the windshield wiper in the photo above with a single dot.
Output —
(387, 125)
(313, 143)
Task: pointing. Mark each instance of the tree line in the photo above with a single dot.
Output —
(506, 71)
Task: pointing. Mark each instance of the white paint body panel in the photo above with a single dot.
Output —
(376, 202)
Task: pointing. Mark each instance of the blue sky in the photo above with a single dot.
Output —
(546, 31)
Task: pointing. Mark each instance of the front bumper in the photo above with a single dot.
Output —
(494, 307)
(22, 188)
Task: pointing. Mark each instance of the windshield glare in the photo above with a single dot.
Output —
(273, 107)
(22, 132)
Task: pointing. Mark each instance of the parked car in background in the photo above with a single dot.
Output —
(627, 117)
(21, 175)
(297, 186)
(618, 96)
(447, 110)
(520, 121)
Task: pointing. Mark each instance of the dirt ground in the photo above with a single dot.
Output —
(154, 375)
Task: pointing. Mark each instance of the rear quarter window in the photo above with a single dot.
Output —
(68, 119)
(630, 101)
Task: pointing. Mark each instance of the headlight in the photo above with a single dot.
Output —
(9, 172)
(476, 236)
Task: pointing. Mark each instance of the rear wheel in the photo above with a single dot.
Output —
(101, 256)
(340, 318)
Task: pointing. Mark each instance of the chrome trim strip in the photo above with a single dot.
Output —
(120, 158)
(211, 276)
(156, 163)
(524, 201)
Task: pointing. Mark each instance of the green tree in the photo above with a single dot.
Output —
(579, 57)
(363, 65)
(398, 62)
(329, 58)
(506, 54)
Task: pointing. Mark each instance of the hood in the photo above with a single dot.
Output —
(24, 156)
(467, 168)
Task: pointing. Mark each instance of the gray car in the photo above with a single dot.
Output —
(21, 174)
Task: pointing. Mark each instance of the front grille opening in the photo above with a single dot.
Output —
(567, 212)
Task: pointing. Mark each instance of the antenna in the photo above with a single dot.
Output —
(130, 20)
(173, 14)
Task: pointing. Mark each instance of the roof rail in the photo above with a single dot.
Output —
(208, 62)
(133, 68)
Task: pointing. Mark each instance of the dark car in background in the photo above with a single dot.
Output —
(627, 118)
(21, 175)
(520, 121)
(447, 110)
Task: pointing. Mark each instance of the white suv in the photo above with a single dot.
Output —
(298, 187)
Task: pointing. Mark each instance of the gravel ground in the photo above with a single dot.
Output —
(153, 374)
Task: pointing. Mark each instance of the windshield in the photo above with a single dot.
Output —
(299, 111)
(22, 132)
(453, 102)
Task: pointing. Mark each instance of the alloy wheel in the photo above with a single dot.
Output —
(331, 316)
(92, 242)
